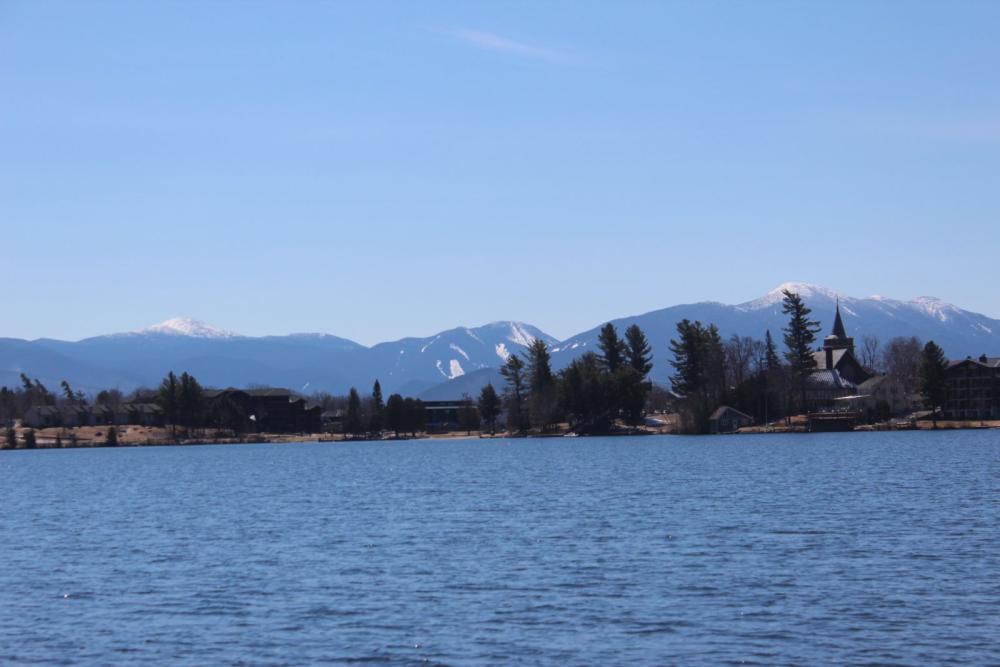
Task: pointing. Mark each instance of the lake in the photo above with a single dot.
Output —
(863, 548)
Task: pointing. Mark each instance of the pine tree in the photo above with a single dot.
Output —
(517, 410)
(638, 351)
(542, 399)
(190, 402)
(10, 439)
(771, 359)
(800, 334)
(168, 399)
(933, 378)
(378, 410)
(700, 371)
(633, 384)
(587, 395)
(414, 416)
(394, 414)
(612, 348)
(489, 407)
(468, 415)
(28, 435)
(352, 419)
(111, 440)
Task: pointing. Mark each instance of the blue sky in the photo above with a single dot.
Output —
(376, 170)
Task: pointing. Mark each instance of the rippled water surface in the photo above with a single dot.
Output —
(842, 548)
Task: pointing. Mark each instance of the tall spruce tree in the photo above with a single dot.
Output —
(933, 378)
(378, 410)
(633, 384)
(514, 396)
(353, 424)
(169, 400)
(489, 407)
(542, 398)
(612, 354)
(700, 372)
(394, 414)
(800, 335)
(587, 396)
(190, 402)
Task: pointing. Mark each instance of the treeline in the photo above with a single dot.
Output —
(591, 394)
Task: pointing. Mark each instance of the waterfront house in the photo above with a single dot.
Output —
(42, 416)
(269, 410)
(726, 419)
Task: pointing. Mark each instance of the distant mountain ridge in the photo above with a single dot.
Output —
(455, 361)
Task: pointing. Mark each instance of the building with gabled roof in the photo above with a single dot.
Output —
(838, 372)
(973, 388)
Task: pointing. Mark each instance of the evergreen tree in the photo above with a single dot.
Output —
(169, 399)
(394, 414)
(772, 361)
(612, 348)
(633, 384)
(638, 351)
(190, 402)
(67, 391)
(111, 440)
(378, 410)
(700, 372)
(489, 407)
(933, 375)
(800, 334)
(587, 395)
(414, 416)
(10, 439)
(542, 401)
(514, 396)
(352, 419)
(28, 435)
(468, 415)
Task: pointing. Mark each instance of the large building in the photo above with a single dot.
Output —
(263, 411)
(973, 388)
(838, 372)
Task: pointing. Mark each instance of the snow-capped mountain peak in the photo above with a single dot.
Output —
(186, 326)
(805, 290)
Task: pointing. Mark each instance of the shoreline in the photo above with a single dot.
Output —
(89, 437)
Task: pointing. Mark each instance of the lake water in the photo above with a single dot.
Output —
(859, 548)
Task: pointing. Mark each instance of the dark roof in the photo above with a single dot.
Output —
(990, 362)
(820, 357)
(838, 324)
(723, 409)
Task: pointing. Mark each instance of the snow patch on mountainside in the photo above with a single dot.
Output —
(502, 351)
(186, 326)
(456, 369)
(459, 350)
(519, 335)
(937, 308)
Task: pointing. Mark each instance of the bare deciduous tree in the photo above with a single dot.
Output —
(870, 354)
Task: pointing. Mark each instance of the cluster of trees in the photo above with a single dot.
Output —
(371, 417)
(751, 376)
(591, 394)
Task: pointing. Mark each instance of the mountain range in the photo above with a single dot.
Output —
(456, 361)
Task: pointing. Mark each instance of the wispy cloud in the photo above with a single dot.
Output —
(491, 42)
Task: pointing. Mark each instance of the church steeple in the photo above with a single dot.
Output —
(838, 324)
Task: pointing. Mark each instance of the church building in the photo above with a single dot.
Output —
(838, 372)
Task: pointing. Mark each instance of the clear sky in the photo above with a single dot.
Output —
(376, 170)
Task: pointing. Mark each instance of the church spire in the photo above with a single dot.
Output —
(838, 324)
